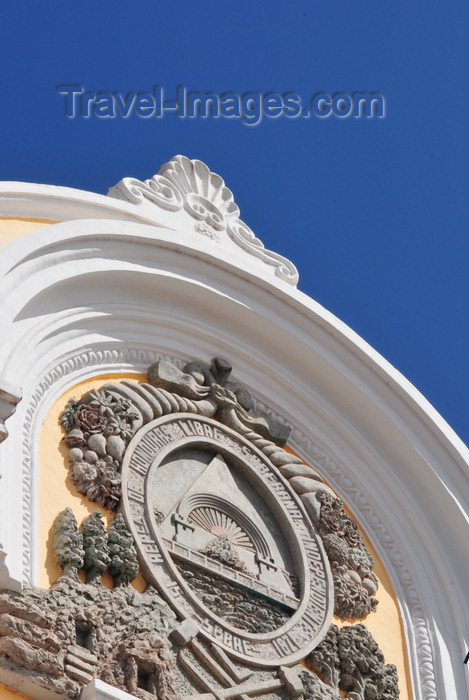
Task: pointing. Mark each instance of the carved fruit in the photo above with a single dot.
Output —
(75, 454)
(354, 576)
(90, 456)
(370, 586)
(74, 438)
(97, 443)
(115, 447)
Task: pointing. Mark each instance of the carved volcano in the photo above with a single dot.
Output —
(221, 549)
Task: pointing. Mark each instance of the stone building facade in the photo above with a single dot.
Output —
(210, 487)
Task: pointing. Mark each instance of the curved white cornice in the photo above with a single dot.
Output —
(28, 200)
(97, 295)
(183, 195)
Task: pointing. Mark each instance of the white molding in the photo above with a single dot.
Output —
(21, 682)
(55, 203)
(10, 395)
(98, 690)
(86, 297)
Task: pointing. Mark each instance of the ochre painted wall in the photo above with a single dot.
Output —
(56, 489)
(56, 492)
(8, 694)
(11, 228)
(386, 625)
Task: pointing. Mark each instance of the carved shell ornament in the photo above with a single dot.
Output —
(189, 185)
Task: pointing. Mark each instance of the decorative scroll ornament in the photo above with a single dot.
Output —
(188, 185)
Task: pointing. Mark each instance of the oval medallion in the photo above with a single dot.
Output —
(226, 541)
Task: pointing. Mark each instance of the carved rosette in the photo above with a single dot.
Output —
(189, 186)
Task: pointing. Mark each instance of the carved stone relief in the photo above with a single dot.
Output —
(239, 607)
(97, 557)
(350, 660)
(100, 426)
(63, 638)
(354, 581)
(248, 548)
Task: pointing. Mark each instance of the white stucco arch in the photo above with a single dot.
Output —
(108, 293)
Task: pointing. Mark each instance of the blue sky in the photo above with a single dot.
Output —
(373, 212)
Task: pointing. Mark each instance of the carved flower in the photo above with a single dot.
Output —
(109, 488)
(361, 560)
(351, 599)
(90, 420)
(66, 417)
(108, 472)
(84, 476)
(100, 482)
(119, 426)
(352, 534)
(100, 399)
(332, 514)
(362, 603)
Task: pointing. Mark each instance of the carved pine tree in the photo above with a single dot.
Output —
(124, 564)
(95, 543)
(68, 543)
(363, 673)
(324, 660)
(349, 659)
